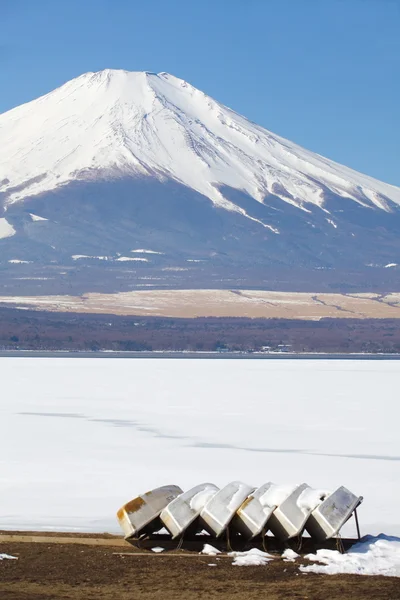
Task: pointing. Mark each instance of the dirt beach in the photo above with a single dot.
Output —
(78, 571)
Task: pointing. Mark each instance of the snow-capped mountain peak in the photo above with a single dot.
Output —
(116, 123)
(117, 160)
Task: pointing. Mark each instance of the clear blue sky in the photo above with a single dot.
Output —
(323, 73)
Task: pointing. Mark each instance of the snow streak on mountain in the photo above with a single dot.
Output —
(117, 159)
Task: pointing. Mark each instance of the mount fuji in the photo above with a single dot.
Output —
(119, 178)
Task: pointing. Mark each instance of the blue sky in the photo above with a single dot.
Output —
(323, 73)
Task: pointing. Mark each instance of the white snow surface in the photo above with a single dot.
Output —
(6, 229)
(131, 259)
(371, 556)
(289, 555)
(17, 261)
(210, 550)
(143, 251)
(8, 557)
(80, 437)
(309, 499)
(37, 218)
(277, 494)
(251, 558)
(79, 256)
(243, 490)
(115, 123)
(198, 501)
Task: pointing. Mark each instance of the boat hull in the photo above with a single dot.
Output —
(252, 516)
(182, 513)
(141, 515)
(221, 509)
(329, 517)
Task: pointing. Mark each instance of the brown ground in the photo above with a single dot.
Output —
(80, 572)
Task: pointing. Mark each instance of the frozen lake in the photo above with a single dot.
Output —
(80, 436)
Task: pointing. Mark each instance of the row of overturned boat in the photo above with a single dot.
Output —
(285, 511)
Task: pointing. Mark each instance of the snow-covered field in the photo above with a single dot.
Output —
(80, 437)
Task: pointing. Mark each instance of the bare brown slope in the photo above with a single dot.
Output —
(221, 303)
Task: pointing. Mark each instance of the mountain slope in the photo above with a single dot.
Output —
(116, 161)
(143, 123)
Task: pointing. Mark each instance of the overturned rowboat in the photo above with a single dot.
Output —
(326, 520)
(241, 510)
(182, 514)
(142, 514)
(221, 508)
(289, 518)
(252, 516)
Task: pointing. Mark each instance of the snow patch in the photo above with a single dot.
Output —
(251, 558)
(37, 218)
(273, 229)
(80, 256)
(309, 499)
(6, 229)
(210, 550)
(131, 259)
(142, 251)
(201, 498)
(237, 498)
(8, 557)
(289, 555)
(276, 494)
(332, 223)
(371, 556)
(16, 261)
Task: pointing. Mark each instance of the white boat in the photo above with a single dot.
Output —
(328, 518)
(183, 512)
(289, 518)
(252, 516)
(221, 508)
(141, 515)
